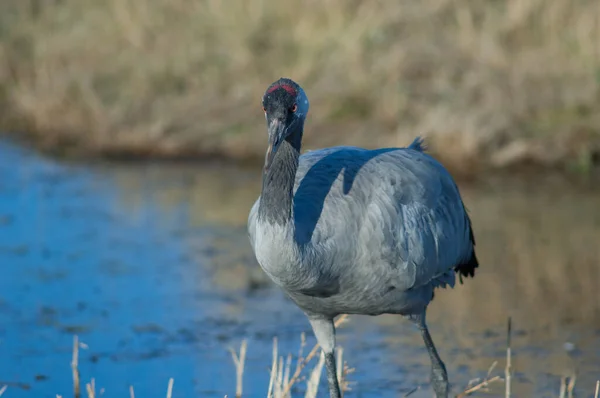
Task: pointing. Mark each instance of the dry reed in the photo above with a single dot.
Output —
(74, 368)
(239, 361)
(90, 387)
(170, 388)
(282, 380)
(567, 385)
(508, 369)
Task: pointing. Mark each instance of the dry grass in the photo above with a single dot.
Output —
(488, 81)
(281, 384)
(282, 380)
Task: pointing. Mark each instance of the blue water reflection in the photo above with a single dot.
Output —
(151, 268)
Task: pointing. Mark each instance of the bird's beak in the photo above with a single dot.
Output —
(277, 131)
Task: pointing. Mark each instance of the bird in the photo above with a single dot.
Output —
(349, 230)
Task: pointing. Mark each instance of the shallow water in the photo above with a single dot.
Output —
(150, 266)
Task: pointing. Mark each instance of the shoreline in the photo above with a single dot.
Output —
(525, 168)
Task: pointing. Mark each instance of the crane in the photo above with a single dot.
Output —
(347, 230)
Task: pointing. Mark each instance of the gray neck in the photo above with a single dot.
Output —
(276, 197)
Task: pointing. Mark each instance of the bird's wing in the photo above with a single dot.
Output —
(430, 228)
(394, 206)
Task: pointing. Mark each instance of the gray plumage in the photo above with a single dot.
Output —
(346, 230)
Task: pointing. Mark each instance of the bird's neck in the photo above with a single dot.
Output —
(276, 198)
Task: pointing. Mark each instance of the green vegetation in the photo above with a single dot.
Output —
(488, 82)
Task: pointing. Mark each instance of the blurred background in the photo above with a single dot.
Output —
(131, 137)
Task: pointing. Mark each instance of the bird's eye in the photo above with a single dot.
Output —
(294, 108)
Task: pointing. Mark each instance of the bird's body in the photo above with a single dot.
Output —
(348, 230)
(372, 232)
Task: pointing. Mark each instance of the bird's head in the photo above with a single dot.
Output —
(285, 105)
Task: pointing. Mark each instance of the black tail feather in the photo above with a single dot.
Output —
(468, 269)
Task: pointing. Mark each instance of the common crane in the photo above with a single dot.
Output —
(346, 230)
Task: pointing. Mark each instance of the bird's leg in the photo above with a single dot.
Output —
(439, 376)
(325, 333)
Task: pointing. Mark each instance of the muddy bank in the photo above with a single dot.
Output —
(521, 156)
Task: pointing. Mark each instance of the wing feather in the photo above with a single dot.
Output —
(397, 206)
